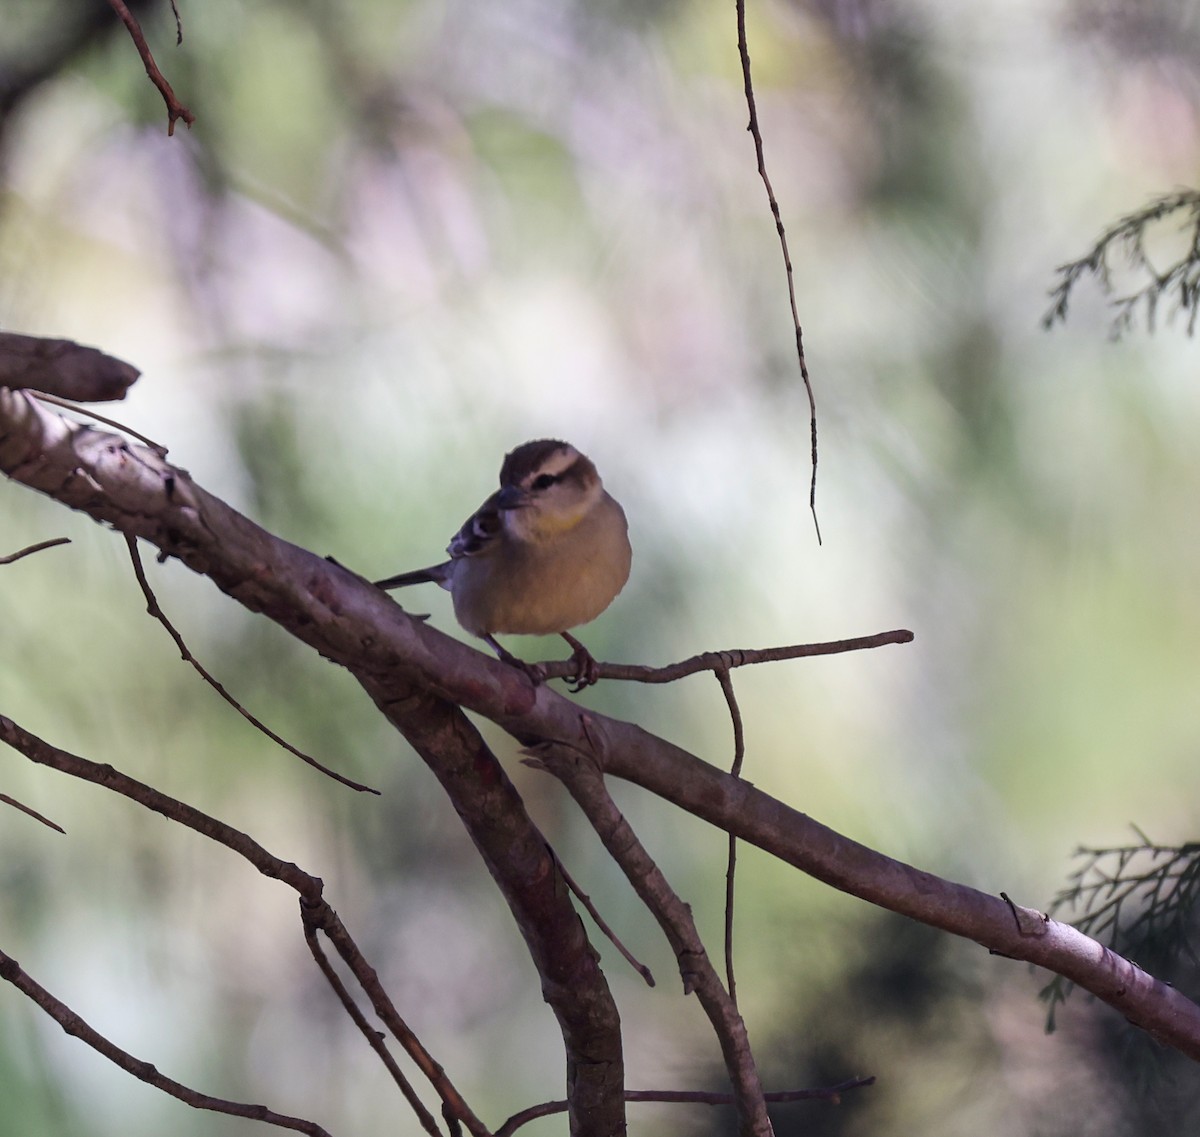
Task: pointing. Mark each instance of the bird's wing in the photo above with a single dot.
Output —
(478, 532)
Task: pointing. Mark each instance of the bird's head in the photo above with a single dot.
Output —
(546, 487)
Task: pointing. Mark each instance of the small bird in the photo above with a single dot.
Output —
(545, 553)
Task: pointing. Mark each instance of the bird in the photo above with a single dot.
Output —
(545, 553)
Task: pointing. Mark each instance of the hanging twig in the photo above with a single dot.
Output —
(739, 754)
(608, 933)
(756, 134)
(175, 109)
(153, 608)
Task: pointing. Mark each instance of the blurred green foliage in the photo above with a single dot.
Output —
(402, 238)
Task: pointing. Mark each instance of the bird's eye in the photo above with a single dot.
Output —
(544, 481)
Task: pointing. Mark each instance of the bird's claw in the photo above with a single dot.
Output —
(535, 671)
(587, 670)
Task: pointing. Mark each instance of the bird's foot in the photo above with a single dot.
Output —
(535, 671)
(587, 670)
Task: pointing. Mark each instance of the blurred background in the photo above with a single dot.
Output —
(402, 238)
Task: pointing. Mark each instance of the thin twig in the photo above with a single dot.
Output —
(594, 912)
(30, 549)
(321, 915)
(153, 608)
(374, 1038)
(739, 754)
(175, 109)
(315, 910)
(87, 412)
(32, 812)
(1179, 281)
(832, 1094)
(146, 1072)
(44, 754)
(756, 134)
(585, 783)
(726, 660)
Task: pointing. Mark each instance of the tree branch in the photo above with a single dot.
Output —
(761, 161)
(63, 368)
(29, 550)
(355, 625)
(315, 910)
(727, 659)
(585, 783)
(831, 1094)
(175, 109)
(11, 971)
(527, 873)
(31, 813)
(155, 610)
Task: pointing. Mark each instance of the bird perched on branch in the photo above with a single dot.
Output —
(545, 553)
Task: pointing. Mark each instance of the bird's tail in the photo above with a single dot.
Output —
(436, 574)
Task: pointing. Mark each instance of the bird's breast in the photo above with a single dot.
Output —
(545, 587)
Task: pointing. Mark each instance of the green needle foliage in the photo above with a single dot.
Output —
(1177, 287)
(1140, 901)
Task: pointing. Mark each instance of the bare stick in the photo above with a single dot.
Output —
(146, 1072)
(831, 1094)
(315, 910)
(63, 368)
(30, 549)
(69, 405)
(374, 1038)
(454, 1107)
(756, 134)
(585, 783)
(32, 812)
(728, 659)
(153, 608)
(39, 751)
(175, 109)
(739, 754)
(594, 912)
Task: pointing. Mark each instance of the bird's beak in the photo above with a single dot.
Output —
(512, 497)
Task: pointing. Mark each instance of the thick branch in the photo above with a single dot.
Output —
(355, 625)
(138, 492)
(528, 874)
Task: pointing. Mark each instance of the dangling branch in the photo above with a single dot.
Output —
(175, 109)
(153, 608)
(760, 157)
